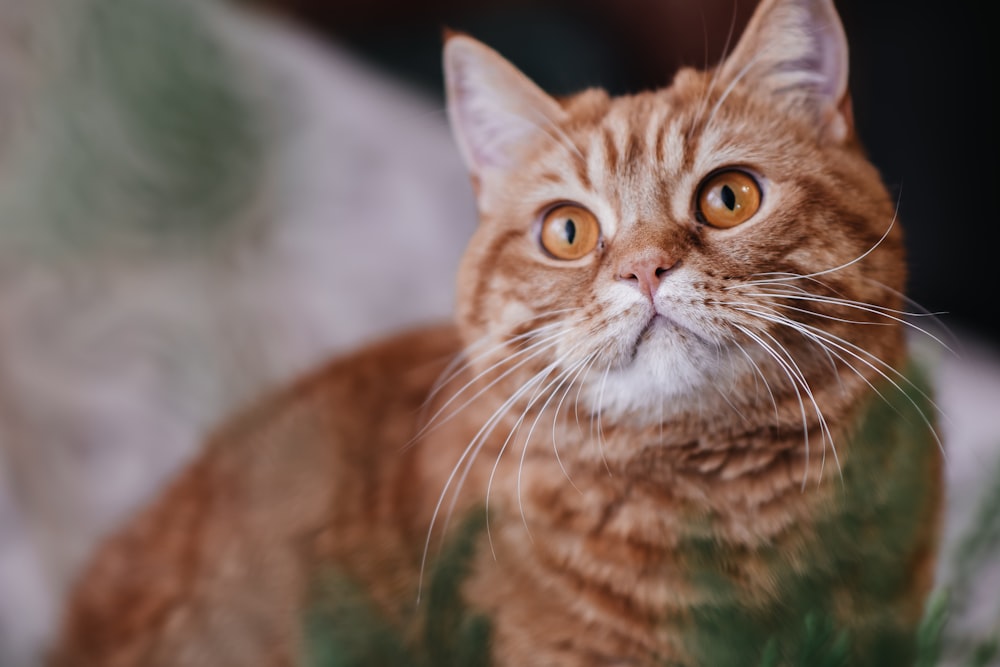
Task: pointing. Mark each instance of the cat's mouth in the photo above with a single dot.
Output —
(657, 323)
(661, 328)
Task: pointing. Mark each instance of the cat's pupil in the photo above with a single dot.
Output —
(728, 197)
(570, 231)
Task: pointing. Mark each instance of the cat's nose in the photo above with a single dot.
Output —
(646, 272)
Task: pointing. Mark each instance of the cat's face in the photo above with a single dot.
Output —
(676, 250)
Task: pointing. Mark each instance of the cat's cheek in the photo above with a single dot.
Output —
(513, 315)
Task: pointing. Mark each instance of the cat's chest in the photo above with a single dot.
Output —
(580, 563)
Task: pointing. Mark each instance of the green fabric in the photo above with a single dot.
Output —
(143, 136)
(343, 628)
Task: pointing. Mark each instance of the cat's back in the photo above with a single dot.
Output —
(214, 572)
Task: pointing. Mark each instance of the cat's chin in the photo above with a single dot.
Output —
(670, 372)
(659, 325)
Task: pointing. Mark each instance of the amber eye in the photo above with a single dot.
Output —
(728, 198)
(569, 232)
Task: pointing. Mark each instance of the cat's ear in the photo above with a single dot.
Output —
(496, 112)
(796, 51)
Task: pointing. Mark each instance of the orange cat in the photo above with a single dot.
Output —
(678, 426)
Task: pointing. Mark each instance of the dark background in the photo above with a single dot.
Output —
(922, 82)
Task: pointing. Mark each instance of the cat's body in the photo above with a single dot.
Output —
(682, 407)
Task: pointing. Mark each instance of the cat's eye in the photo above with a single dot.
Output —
(728, 198)
(569, 232)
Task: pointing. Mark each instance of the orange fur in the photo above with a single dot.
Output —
(634, 436)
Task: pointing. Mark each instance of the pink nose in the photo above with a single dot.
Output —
(646, 272)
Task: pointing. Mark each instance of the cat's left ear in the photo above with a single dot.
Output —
(796, 51)
(496, 112)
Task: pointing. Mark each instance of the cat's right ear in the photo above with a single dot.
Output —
(796, 52)
(496, 112)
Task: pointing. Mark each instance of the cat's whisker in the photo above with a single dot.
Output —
(703, 102)
(728, 402)
(462, 361)
(455, 368)
(826, 338)
(729, 88)
(580, 368)
(776, 289)
(781, 287)
(474, 448)
(557, 134)
(783, 278)
(826, 348)
(465, 462)
(459, 363)
(514, 431)
(784, 285)
(895, 315)
(527, 386)
(533, 383)
(576, 400)
(888, 313)
(797, 380)
(860, 257)
(827, 435)
(920, 311)
(767, 385)
(560, 379)
(750, 308)
(781, 319)
(598, 413)
(536, 349)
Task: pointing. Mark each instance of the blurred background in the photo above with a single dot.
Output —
(201, 199)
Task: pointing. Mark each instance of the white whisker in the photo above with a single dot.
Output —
(767, 385)
(600, 428)
(729, 89)
(888, 313)
(558, 382)
(703, 102)
(797, 379)
(580, 368)
(826, 339)
(556, 134)
(455, 367)
(845, 265)
(475, 445)
(534, 382)
(536, 349)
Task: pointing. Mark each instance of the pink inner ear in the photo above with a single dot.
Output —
(495, 110)
(491, 130)
(833, 60)
(794, 49)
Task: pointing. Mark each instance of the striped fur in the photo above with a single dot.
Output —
(703, 475)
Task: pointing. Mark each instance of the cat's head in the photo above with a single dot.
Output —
(681, 249)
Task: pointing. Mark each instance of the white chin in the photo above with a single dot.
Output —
(669, 374)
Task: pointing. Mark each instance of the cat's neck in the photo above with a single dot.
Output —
(556, 459)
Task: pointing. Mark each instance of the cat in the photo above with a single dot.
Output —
(674, 422)
(131, 325)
